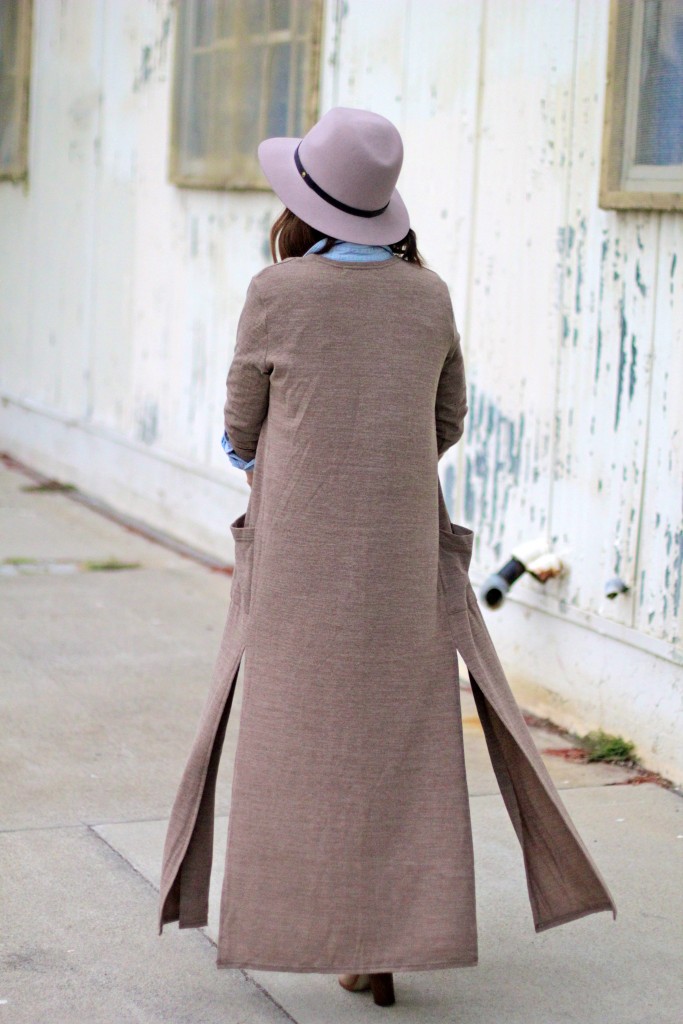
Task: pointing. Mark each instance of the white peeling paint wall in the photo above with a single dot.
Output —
(572, 321)
(120, 295)
(122, 291)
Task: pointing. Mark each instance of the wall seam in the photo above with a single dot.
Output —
(461, 453)
(563, 264)
(92, 222)
(648, 419)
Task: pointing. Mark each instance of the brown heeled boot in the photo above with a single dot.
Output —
(380, 984)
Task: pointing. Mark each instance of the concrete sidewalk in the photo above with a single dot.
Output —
(104, 675)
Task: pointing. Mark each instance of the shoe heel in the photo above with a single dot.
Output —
(382, 987)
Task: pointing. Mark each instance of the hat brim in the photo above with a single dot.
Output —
(276, 157)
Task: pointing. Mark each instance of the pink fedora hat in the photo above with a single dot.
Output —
(341, 177)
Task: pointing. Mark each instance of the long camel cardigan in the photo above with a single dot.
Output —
(349, 843)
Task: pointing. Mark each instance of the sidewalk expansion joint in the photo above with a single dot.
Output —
(245, 974)
(130, 523)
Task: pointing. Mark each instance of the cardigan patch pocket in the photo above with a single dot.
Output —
(455, 555)
(243, 536)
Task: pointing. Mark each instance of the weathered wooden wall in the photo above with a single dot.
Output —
(120, 295)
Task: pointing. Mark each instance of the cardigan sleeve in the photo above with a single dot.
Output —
(451, 396)
(248, 380)
(235, 460)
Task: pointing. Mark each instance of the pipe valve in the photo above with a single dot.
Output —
(533, 557)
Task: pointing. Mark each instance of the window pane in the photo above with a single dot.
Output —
(244, 67)
(279, 13)
(659, 138)
(298, 119)
(225, 18)
(9, 128)
(279, 90)
(223, 108)
(9, 32)
(248, 100)
(199, 107)
(203, 22)
(254, 15)
(9, 82)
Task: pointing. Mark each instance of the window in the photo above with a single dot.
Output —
(15, 55)
(244, 70)
(642, 161)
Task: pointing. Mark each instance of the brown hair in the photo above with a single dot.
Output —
(291, 236)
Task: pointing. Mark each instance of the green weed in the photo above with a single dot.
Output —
(111, 564)
(603, 746)
(48, 485)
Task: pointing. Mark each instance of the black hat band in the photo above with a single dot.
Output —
(330, 199)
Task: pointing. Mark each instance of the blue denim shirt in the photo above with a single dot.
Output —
(350, 251)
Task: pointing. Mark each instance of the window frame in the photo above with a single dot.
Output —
(623, 183)
(18, 170)
(237, 182)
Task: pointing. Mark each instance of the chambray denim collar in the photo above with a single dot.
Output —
(350, 252)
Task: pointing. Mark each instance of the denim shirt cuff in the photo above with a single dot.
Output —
(235, 460)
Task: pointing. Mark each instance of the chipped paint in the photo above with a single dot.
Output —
(565, 239)
(565, 327)
(579, 264)
(604, 250)
(153, 56)
(622, 360)
(493, 461)
(673, 575)
(147, 422)
(639, 281)
(678, 573)
(672, 272)
(598, 352)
